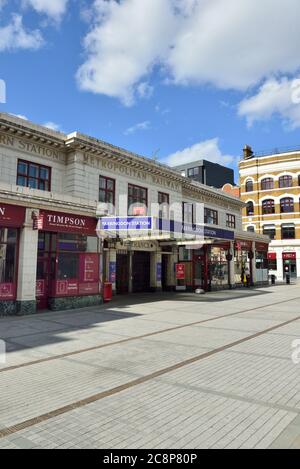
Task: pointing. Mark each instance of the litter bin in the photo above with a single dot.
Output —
(107, 292)
(273, 279)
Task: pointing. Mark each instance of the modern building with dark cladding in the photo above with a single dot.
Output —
(208, 173)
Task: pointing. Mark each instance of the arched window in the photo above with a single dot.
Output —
(250, 209)
(287, 205)
(268, 207)
(267, 184)
(285, 181)
(249, 185)
(251, 229)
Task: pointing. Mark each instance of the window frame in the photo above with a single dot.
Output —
(267, 184)
(283, 180)
(283, 227)
(144, 202)
(284, 205)
(39, 179)
(250, 214)
(230, 221)
(268, 208)
(251, 183)
(214, 215)
(106, 190)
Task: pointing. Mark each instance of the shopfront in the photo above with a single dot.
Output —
(262, 262)
(219, 266)
(243, 255)
(289, 264)
(68, 266)
(12, 219)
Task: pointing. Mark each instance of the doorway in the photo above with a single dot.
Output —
(122, 274)
(141, 271)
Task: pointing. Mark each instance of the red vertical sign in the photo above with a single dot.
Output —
(180, 271)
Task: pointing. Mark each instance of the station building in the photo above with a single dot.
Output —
(51, 255)
(270, 189)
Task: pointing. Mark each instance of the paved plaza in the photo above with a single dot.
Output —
(156, 371)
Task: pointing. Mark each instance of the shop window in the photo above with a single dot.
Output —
(250, 209)
(267, 184)
(230, 221)
(187, 212)
(218, 267)
(249, 186)
(137, 200)
(107, 190)
(8, 261)
(251, 229)
(268, 207)
(285, 181)
(288, 232)
(67, 266)
(272, 264)
(287, 205)
(33, 175)
(210, 216)
(164, 205)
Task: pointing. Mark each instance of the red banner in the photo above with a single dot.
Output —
(242, 245)
(272, 256)
(180, 271)
(261, 247)
(289, 256)
(11, 216)
(68, 223)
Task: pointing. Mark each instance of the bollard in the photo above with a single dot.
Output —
(288, 280)
(273, 279)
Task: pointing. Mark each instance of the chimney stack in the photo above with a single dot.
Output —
(248, 153)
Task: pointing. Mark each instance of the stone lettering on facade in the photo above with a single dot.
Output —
(2, 211)
(34, 148)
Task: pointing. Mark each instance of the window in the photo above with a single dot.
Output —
(250, 209)
(272, 264)
(8, 261)
(164, 202)
(287, 205)
(299, 180)
(137, 200)
(107, 190)
(33, 175)
(251, 229)
(187, 212)
(268, 207)
(210, 216)
(285, 181)
(269, 231)
(267, 184)
(230, 221)
(249, 186)
(288, 232)
(192, 172)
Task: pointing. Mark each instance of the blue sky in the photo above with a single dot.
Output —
(178, 79)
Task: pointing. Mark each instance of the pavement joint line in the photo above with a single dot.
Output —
(131, 339)
(5, 432)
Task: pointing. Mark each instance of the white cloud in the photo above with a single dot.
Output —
(275, 97)
(52, 126)
(135, 128)
(231, 44)
(15, 36)
(126, 40)
(55, 9)
(207, 150)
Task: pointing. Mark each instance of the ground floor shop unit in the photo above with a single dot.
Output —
(48, 260)
(284, 260)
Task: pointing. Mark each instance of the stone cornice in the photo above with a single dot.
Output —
(36, 133)
(10, 194)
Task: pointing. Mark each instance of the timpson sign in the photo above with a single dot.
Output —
(66, 223)
(34, 148)
(123, 170)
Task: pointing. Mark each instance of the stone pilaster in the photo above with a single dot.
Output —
(26, 294)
